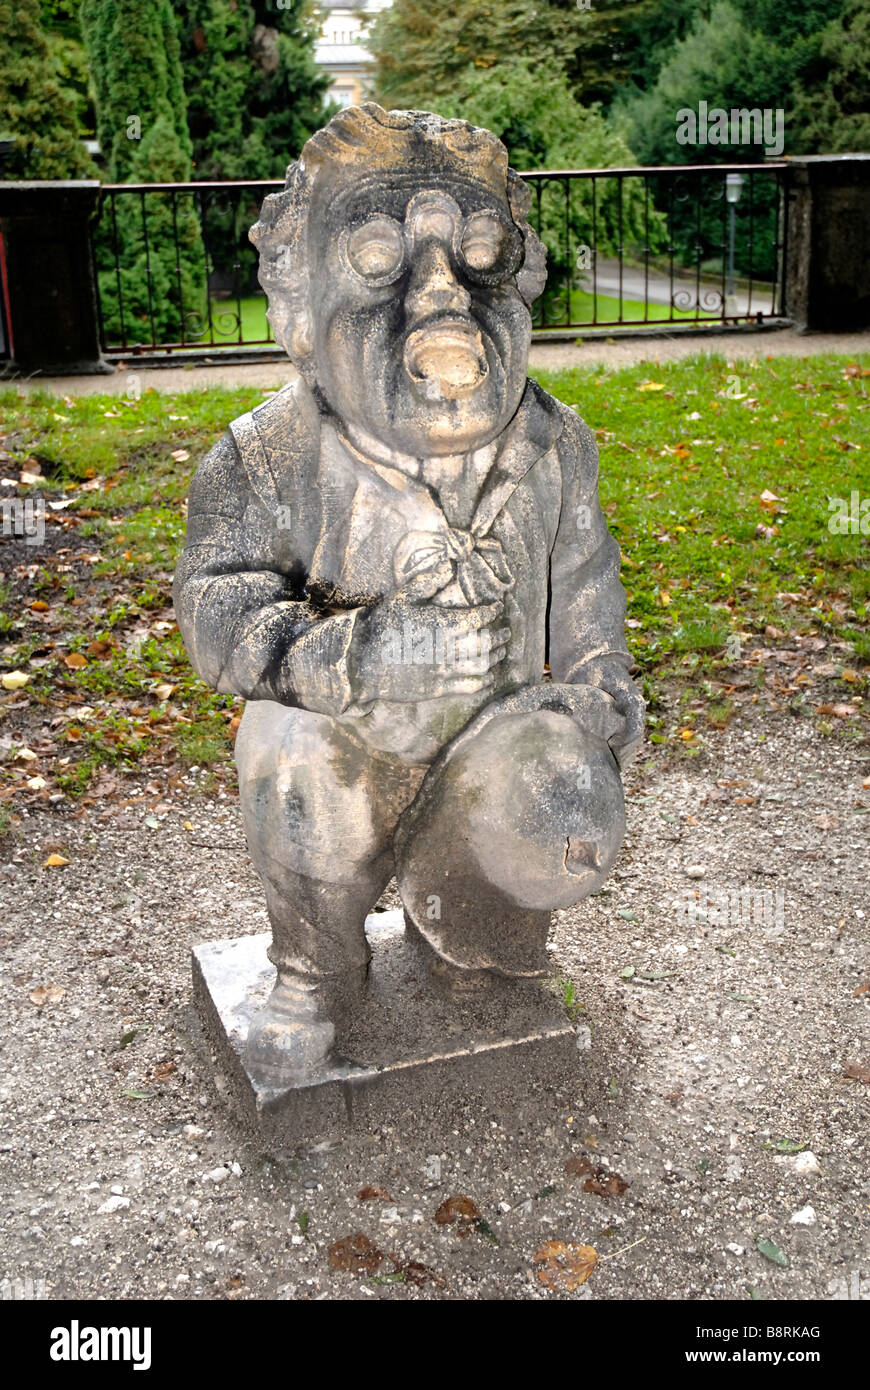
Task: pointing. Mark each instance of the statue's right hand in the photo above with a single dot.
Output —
(407, 650)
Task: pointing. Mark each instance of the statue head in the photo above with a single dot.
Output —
(400, 269)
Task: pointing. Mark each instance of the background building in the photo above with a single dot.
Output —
(340, 50)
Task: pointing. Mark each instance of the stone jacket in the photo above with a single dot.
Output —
(292, 531)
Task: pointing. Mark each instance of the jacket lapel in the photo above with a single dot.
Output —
(532, 432)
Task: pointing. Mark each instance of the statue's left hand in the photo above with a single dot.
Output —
(612, 677)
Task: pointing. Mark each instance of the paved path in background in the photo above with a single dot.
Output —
(604, 352)
(656, 287)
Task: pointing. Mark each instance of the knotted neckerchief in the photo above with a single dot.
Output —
(479, 565)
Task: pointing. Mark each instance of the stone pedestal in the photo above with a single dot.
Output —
(826, 286)
(417, 1052)
(49, 276)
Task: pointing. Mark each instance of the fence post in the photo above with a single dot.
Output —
(827, 285)
(45, 227)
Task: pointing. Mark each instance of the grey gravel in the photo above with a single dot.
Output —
(723, 1043)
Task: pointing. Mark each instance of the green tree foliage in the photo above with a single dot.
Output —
(424, 50)
(749, 54)
(150, 244)
(136, 69)
(833, 111)
(254, 96)
(254, 92)
(745, 53)
(620, 43)
(60, 20)
(35, 107)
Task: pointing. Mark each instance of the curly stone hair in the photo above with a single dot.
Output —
(368, 137)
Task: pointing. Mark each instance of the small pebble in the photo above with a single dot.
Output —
(111, 1204)
(805, 1217)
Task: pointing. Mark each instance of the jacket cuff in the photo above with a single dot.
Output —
(314, 672)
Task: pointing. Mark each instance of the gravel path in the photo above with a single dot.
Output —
(606, 352)
(713, 1048)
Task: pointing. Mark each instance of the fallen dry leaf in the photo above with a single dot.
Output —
(55, 861)
(839, 710)
(163, 692)
(605, 1184)
(14, 680)
(373, 1194)
(163, 1071)
(459, 1210)
(180, 455)
(75, 661)
(862, 989)
(857, 1071)
(564, 1264)
(579, 1167)
(356, 1253)
(46, 994)
(26, 755)
(416, 1273)
(770, 501)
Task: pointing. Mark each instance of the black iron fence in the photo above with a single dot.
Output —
(696, 246)
(672, 245)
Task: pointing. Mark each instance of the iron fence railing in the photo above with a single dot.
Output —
(627, 248)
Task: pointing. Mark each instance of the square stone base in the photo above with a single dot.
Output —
(417, 1053)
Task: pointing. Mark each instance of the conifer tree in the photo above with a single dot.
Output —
(253, 89)
(35, 111)
(142, 128)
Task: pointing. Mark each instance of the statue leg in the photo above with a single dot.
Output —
(319, 812)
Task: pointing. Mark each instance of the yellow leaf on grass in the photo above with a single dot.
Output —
(39, 605)
(75, 661)
(850, 675)
(651, 386)
(13, 680)
(687, 733)
(770, 501)
(55, 861)
(564, 1265)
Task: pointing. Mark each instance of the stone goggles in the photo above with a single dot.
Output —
(485, 244)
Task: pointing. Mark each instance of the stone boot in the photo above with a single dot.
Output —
(291, 1038)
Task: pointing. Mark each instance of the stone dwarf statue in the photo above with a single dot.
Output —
(383, 558)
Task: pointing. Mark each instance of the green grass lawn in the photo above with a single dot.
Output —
(715, 480)
(225, 312)
(606, 308)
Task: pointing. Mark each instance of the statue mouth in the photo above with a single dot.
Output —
(447, 356)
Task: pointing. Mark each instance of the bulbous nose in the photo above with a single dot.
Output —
(433, 287)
